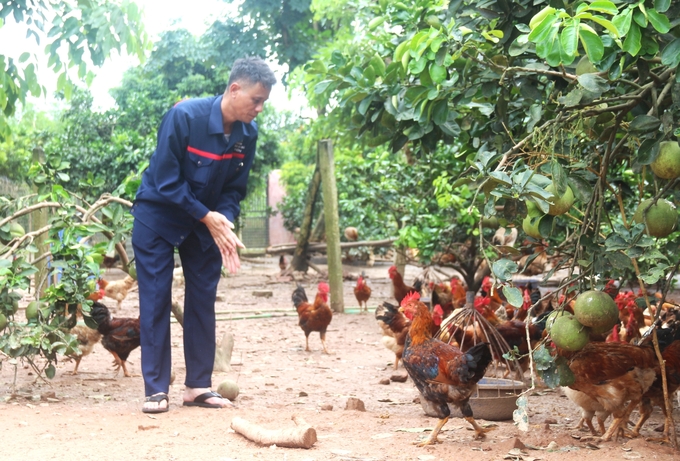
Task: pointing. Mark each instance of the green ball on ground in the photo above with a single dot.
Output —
(228, 389)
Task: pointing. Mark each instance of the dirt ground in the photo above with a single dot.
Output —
(97, 415)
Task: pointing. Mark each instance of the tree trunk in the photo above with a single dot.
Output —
(299, 262)
(38, 221)
(332, 224)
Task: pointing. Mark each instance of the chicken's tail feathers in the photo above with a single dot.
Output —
(418, 285)
(385, 311)
(299, 296)
(478, 359)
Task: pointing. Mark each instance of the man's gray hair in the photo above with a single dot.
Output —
(253, 70)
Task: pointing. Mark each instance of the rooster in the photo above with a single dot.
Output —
(117, 289)
(654, 395)
(87, 338)
(442, 373)
(313, 317)
(362, 292)
(615, 375)
(120, 335)
(589, 408)
(282, 263)
(399, 288)
(395, 325)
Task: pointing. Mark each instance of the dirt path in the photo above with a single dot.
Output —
(96, 415)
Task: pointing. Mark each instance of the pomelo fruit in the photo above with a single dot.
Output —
(228, 389)
(16, 230)
(552, 317)
(3, 322)
(560, 205)
(569, 334)
(32, 310)
(596, 309)
(661, 217)
(530, 227)
(666, 165)
(490, 223)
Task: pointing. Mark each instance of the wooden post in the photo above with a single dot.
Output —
(330, 202)
(38, 221)
(299, 262)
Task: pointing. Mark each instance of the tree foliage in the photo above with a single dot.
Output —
(78, 35)
(496, 83)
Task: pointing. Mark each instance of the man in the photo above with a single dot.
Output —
(189, 199)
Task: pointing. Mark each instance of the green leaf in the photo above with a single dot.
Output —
(622, 22)
(543, 29)
(633, 41)
(644, 124)
(662, 5)
(513, 295)
(670, 56)
(592, 44)
(50, 371)
(540, 16)
(659, 21)
(440, 112)
(619, 261)
(504, 269)
(569, 39)
(438, 73)
(603, 7)
(559, 177)
(582, 189)
(593, 83)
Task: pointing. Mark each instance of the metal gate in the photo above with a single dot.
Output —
(254, 221)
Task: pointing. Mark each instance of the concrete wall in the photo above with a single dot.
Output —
(277, 233)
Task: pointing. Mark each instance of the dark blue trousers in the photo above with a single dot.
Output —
(154, 258)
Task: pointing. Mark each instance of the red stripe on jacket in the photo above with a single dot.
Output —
(212, 156)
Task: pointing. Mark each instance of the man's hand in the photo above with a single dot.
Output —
(228, 243)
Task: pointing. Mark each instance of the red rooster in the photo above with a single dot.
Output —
(120, 335)
(399, 288)
(616, 375)
(442, 373)
(313, 317)
(362, 292)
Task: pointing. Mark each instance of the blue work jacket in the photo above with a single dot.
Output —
(195, 170)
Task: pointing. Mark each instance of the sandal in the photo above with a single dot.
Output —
(157, 398)
(200, 401)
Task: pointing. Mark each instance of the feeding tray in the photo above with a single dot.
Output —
(494, 400)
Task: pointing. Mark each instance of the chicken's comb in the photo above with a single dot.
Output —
(412, 296)
(323, 287)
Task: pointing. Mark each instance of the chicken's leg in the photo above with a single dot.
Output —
(480, 432)
(307, 340)
(432, 439)
(323, 343)
(75, 370)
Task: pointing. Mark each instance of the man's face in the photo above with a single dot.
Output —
(248, 100)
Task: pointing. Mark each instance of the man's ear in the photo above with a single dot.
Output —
(234, 88)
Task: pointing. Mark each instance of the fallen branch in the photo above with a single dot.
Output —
(302, 436)
(289, 248)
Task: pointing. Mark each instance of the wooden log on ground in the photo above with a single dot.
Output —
(301, 436)
(289, 248)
